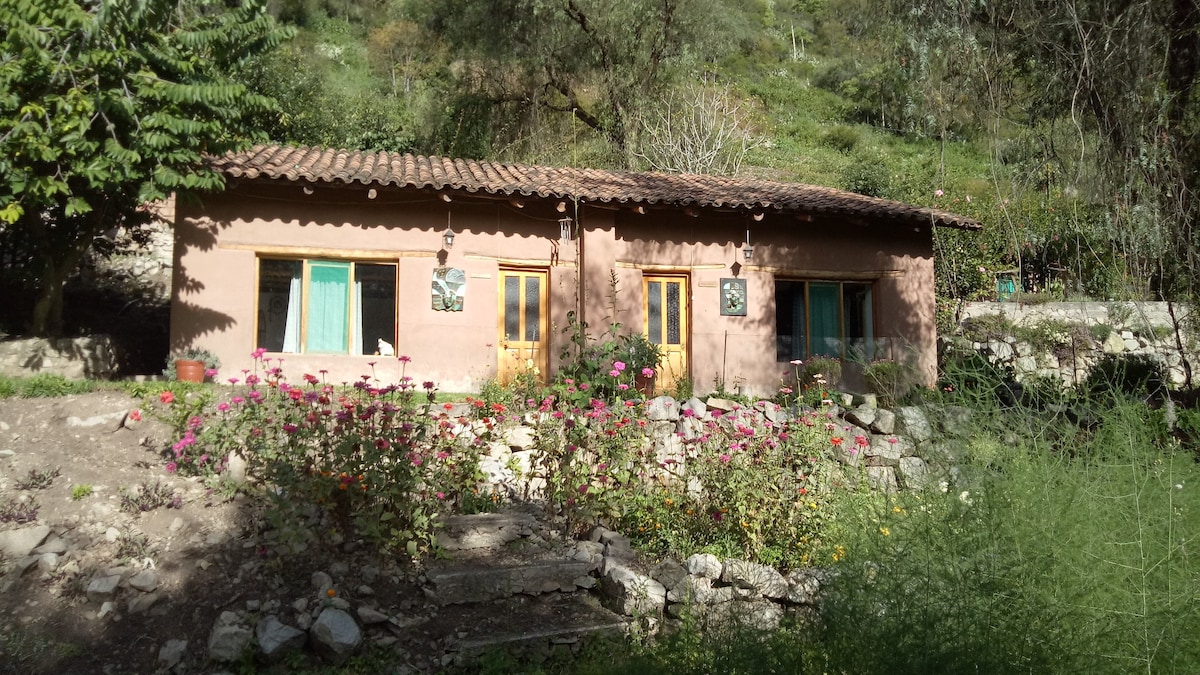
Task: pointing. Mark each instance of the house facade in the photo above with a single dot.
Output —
(342, 261)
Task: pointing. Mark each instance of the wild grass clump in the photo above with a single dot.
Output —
(1044, 558)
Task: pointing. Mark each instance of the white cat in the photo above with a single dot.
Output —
(385, 348)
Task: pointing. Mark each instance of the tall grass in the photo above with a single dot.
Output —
(1054, 551)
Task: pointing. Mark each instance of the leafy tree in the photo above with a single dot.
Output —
(105, 107)
(594, 59)
(1108, 87)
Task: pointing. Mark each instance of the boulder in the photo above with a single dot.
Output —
(276, 639)
(228, 639)
(335, 635)
(632, 594)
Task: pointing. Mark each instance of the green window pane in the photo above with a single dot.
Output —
(654, 312)
(824, 323)
(328, 305)
(512, 307)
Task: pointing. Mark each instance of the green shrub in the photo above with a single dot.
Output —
(890, 380)
(43, 385)
(1137, 375)
(1100, 331)
(842, 138)
(986, 328)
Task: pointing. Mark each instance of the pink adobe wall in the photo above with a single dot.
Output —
(215, 284)
(897, 261)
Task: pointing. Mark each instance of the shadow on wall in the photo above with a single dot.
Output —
(91, 357)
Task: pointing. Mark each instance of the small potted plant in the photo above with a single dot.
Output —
(642, 358)
(191, 365)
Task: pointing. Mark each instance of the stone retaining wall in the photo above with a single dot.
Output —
(1064, 340)
(89, 357)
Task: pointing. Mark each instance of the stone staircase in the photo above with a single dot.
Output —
(507, 582)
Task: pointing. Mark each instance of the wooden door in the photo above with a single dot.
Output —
(524, 318)
(665, 310)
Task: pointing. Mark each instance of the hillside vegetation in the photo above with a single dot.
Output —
(1081, 174)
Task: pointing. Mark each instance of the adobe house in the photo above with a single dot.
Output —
(473, 269)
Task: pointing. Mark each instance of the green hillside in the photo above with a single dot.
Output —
(925, 107)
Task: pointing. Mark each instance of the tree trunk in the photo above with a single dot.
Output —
(58, 263)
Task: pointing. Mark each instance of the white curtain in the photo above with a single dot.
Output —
(291, 331)
(356, 347)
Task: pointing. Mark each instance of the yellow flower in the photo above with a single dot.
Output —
(885, 532)
(839, 552)
(812, 505)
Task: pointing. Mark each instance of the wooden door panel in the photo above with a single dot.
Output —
(523, 303)
(665, 320)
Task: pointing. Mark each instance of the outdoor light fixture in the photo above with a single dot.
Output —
(448, 239)
(565, 230)
(748, 249)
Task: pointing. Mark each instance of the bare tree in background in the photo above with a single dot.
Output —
(699, 129)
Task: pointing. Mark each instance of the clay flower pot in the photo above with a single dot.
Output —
(644, 384)
(189, 371)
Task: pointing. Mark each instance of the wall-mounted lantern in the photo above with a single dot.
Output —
(748, 249)
(448, 239)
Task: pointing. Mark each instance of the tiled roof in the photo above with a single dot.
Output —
(317, 165)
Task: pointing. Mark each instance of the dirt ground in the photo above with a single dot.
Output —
(207, 552)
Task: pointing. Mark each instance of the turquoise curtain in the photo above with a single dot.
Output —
(328, 306)
(824, 322)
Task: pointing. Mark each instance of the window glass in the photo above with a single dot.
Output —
(325, 306)
(673, 311)
(826, 318)
(512, 307)
(375, 306)
(279, 291)
(654, 312)
(532, 307)
(824, 324)
(328, 302)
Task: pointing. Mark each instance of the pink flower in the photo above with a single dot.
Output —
(223, 407)
(441, 495)
(172, 467)
(619, 365)
(135, 415)
(166, 397)
(583, 489)
(725, 458)
(938, 193)
(622, 386)
(647, 372)
(614, 373)
(233, 380)
(258, 353)
(211, 372)
(403, 359)
(861, 441)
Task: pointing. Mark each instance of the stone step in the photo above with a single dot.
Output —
(451, 584)
(530, 627)
(484, 530)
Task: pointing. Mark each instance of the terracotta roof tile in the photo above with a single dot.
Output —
(316, 165)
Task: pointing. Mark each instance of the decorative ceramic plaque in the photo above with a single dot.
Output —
(449, 287)
(733, 297)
